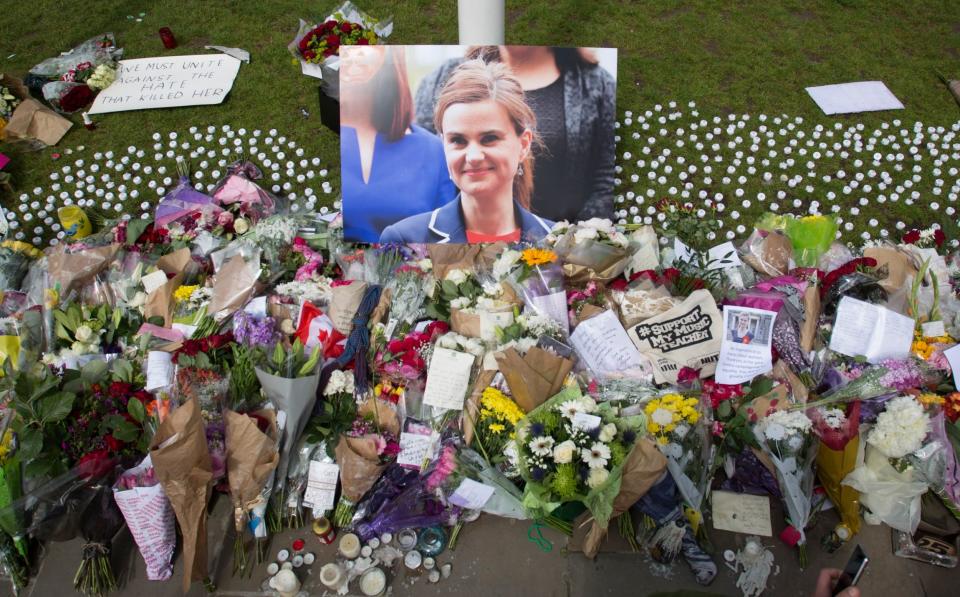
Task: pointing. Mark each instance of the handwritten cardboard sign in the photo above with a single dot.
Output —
(168, 82)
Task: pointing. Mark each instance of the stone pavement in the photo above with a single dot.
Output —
(494, 557)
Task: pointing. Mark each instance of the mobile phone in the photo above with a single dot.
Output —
(852, 571)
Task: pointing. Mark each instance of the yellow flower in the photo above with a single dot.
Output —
(662, 440)
(653, 428)
(536, 256)
(497, 428)
(929, 398)
(5, 445)
(184, 293)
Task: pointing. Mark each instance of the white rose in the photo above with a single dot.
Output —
(425, 264)
(601, 224)
(597, 477)
(505, 263)
(584, 234)
(560, 227)
(457, 276)
(447, 341)
(474, 347)
(241, 225)
(565, 452)
(83, 333)
(138, 300)
(460, 303)
(492, 288)
(608, 432)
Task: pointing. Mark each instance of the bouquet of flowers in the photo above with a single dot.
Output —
(572, 449)
(317, 47)
(495, 426)
(149, 517)
(590, 250)
(363, 453)
(811, 236)
(682, 435)
(839, 433)
(408, 287)
(785, 436)
(887, 483)
(403, 360)
(203, 375)
(14, 555)
(537, 276)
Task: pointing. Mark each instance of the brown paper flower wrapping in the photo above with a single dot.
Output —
(590, 260)
(899, 266)
(359, 465)
(182, 463)
(233, 286)
(344, 302)
(251, 456)
(533, 377)
(471, 407)
(641, 470)
(769, 255)
(72, 270)
(811, 310)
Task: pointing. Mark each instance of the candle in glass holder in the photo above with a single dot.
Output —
(166, 36)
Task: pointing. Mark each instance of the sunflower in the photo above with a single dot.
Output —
(534, 256)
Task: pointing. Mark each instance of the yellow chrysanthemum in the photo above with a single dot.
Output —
(184, 293)
(653, 428)
(534, 256)
(929, 399)
(497, 428)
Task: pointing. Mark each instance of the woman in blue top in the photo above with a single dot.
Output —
(488, 133)
(390, 167)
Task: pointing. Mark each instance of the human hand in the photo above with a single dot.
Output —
(826, 581)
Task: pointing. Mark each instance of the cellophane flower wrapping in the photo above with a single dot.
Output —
(542, 289)
(682, 434)
(149, 517)
(785, 436)
(561, 464)
(839, 433)
(810, 236)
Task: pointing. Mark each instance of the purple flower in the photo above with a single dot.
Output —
(538, 474)
(253, 332)
(537, 429)
(901, 374)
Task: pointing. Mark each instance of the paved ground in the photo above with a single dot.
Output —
(495, 557)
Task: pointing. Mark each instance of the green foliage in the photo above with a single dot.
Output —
(339, 412)
(291, 362)
(40, 406)
(564, 481)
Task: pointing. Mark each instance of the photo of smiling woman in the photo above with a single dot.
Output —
(488, 133)
(391, 168)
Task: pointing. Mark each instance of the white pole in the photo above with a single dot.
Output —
(481, 22)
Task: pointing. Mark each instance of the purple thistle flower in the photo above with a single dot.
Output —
(538, 474)
(629, 436)
(537, 429)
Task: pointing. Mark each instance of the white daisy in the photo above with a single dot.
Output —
(597, 456)
(542, 446)
(570, 408)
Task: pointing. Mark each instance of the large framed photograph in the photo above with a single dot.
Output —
(468, 144)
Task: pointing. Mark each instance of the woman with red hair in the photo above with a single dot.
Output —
(391, 168)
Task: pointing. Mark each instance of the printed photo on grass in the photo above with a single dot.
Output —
(469, 144)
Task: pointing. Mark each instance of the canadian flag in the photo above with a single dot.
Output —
(316, 329)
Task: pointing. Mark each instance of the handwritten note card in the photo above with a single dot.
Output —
(604, 345)
(159, 370)
(448, 378)
(742, 513)
(415, 448)
(471, 495)
(321, 485)
(167, 82)
(153, 281)
(586, 422)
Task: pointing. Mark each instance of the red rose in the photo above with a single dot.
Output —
(620, 284)
(395, 346)
(113, 444)
(911, 237)
(333, 40)
(687, 376)
(94, 464)
(346, 26)
(363, 41)
(119, 389)
(671, 274)
(328, 26)
(939, 237)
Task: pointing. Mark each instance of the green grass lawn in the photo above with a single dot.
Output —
(730, 58)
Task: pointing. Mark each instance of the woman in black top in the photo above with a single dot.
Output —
(574, 101)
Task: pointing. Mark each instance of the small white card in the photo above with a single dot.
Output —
(585, 422)
(933, 329)
(448, 378)
(321, 485)
(153, 281)
(416, 448)
(159, 370)
(849, 98)
(472, 495)
(185, 329)
(953, 357)
(742, 513)
(870, 330)
(723, 256)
